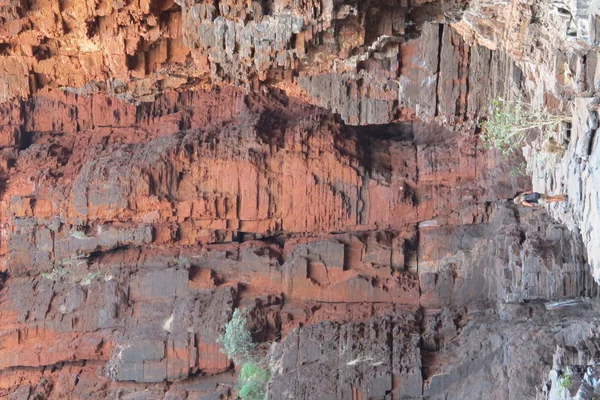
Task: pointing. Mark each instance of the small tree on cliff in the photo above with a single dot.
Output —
(510, 120)
(236, 342)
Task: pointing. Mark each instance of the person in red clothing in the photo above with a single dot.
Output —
(535, 199)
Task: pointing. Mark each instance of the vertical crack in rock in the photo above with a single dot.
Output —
(438, 69)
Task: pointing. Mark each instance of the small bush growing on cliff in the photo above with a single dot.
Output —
(507, 127)
(566, 381)
(79, 235)
(236, 342)
(253, 381)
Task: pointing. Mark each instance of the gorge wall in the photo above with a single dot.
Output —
(316, 163)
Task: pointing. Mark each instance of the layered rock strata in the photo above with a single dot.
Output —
(315, 163)
(136, 244)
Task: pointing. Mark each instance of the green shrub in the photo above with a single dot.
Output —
(510, 120)
(251, 391)
(253, 381)
(237, 341)
(566, 381)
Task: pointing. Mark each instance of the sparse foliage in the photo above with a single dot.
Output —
(544, 163)
(253, 381)
(89, 278)
(237, 343)
(566, 381)
(510, 120)
(75, 259)
(56, 274)
(59, 273)
(237, 340)
(182, 261)
(519, 171)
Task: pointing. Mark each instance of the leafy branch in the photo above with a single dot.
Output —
(509, 122)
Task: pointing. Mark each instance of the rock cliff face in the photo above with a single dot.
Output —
(316, 163)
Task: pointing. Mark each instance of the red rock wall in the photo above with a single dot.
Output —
(130, 233)
(193, 162)
(138, 49)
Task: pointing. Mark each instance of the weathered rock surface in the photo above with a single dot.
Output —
(496, 355)
(559, 72)
(367, 360)
(576, 175)
(138, 49)
(314, 162)
(136, 248)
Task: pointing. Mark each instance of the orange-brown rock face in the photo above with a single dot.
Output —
(315, 163)
(131, 232)
(138, 49)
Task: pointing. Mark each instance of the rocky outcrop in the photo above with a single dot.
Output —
(371, 62)
(511, 25)
(378, 358)
(573, 174)
(138, 49)
(496, 354)
(136, 248)
(560, 72)
(575, 369)
(315, 163)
